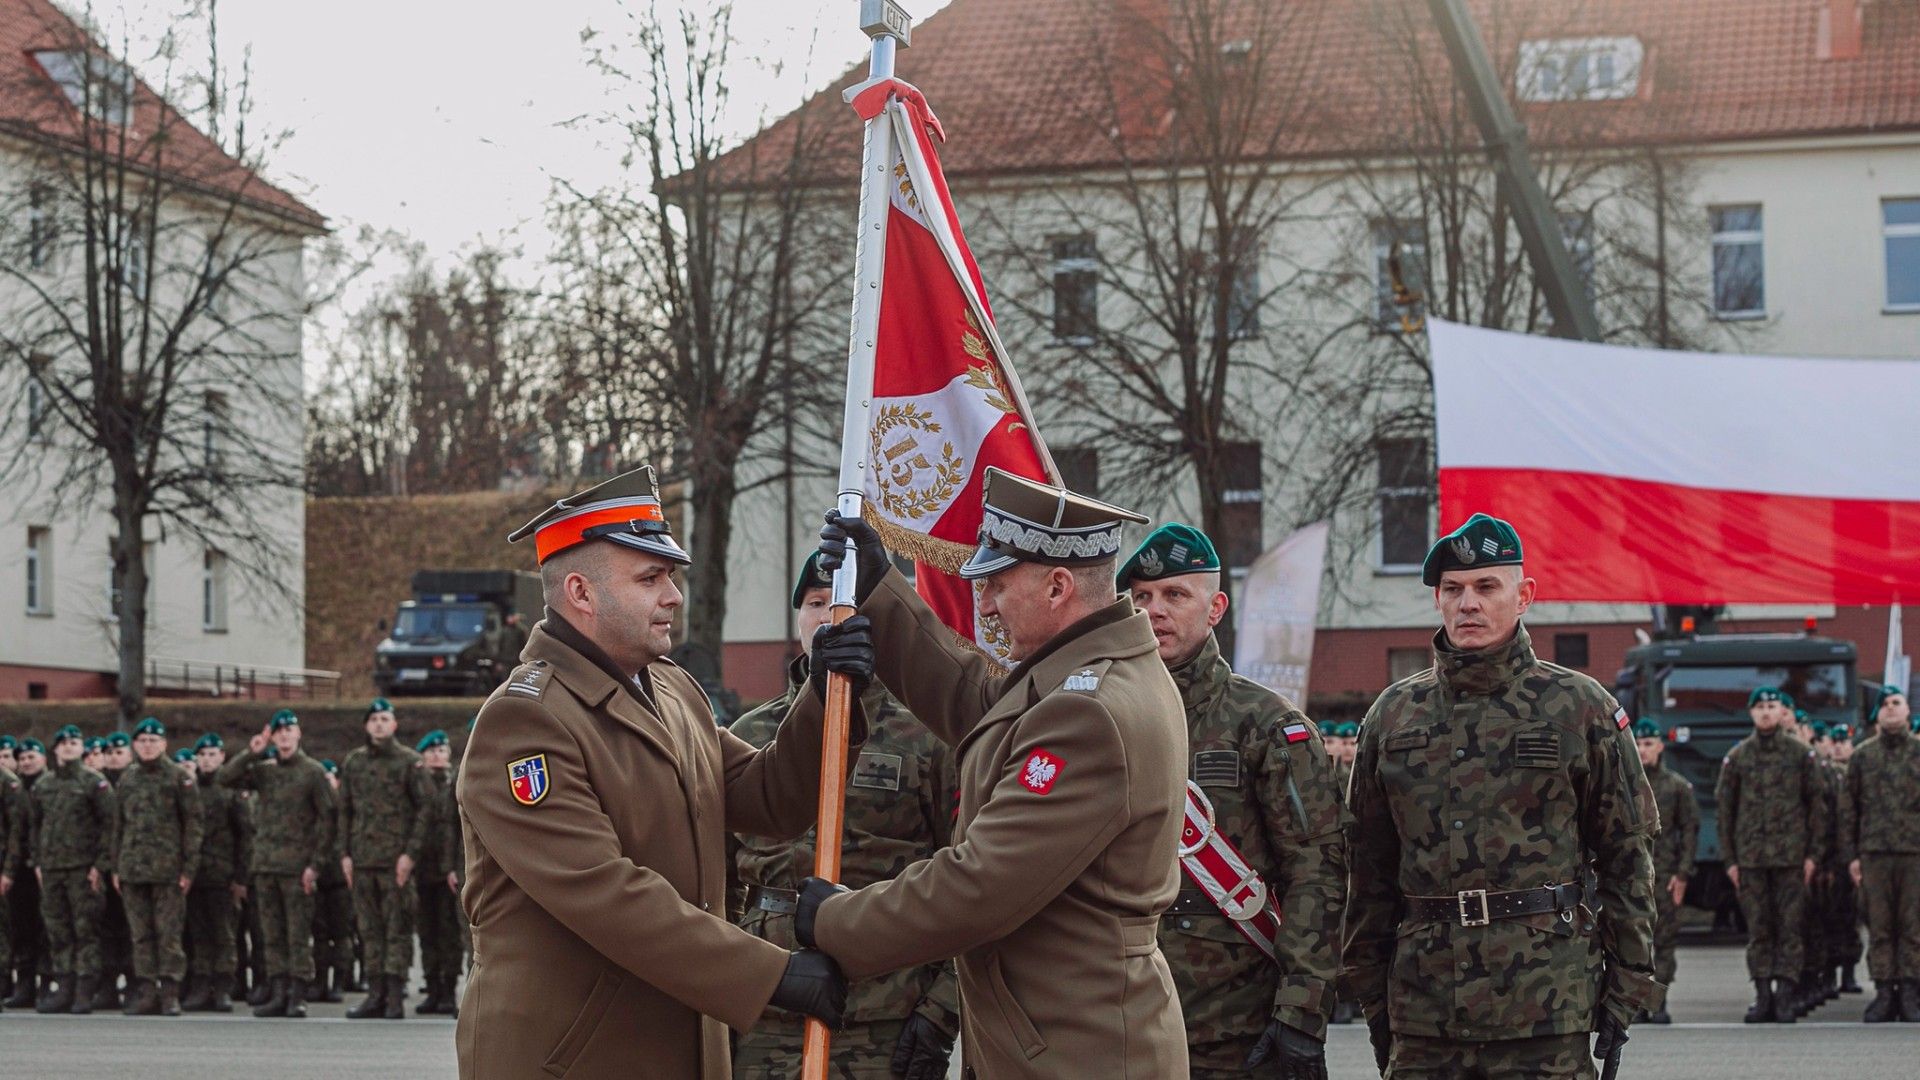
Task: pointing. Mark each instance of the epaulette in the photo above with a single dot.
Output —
(1087, 679)
(530, 679)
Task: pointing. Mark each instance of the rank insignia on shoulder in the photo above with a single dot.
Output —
(1040, 771)
(530, 681)
(1297, 733)
(527, 778)
(876, 770)
(1620, 719)
(1084, 682)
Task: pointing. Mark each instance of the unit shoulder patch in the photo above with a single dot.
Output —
(1040, 771)
(530, 680)
(1085, 681)
(527, 779)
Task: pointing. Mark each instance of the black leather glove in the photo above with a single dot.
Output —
(1609, 1036)
(1300, 1055)
(923, 1050)
(870, 559)
(813, 892)
(847, 649)
(1380, 1034)
(813, 985)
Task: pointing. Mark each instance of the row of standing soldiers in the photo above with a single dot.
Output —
(199, 879)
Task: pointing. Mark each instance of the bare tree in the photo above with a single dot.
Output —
(150, 302)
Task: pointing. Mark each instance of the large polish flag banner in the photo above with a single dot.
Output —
(1675, 477)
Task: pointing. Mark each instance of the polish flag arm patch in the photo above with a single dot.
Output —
(1040, 772)
(1620, 718)
(1296, 733)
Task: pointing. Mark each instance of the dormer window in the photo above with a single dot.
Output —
(101, 87)
(1579, 69)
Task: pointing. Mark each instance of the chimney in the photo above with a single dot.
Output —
(1840, 30)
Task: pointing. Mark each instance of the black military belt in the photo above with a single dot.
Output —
(1478, 907)
(777, 901)
(1194, 902)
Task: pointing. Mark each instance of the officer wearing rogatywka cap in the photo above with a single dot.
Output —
(596, 794)
(1483, 789)
(1674, 851)
(1255, 966)
(1071, 786)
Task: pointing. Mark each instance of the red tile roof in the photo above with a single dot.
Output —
(33, 107)
(1019, 88)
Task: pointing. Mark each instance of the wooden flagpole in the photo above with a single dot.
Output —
(889, 26)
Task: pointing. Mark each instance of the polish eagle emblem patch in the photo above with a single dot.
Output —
(1040, 771)
(528, 779)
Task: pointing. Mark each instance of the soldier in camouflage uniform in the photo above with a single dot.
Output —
(1773, 826)
(1261, 765)
(219, 887)
(293, 836)
(1844, 947)
(901, 799)
(437, 882)
(23, 901)
(73, 843)
(1484, 791)
(1880, 839)
(332, 917)
(159, 832)
(1674, 851)
(13, 853)
(1346, 740)
(386, 815)
(116, 937)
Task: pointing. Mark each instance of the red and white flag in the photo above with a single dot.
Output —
(1686, 478)
(946, 402)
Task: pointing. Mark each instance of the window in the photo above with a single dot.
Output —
(1245, 506)
(213, 427)
(1901, 225)
(39, 400)
(1570, 651)
(1076, 289)
(213, 592)
(1579, 69)
(41, 224)
(94, 83)
(1739, 266)
(1405, 494)
(1402, 663)
(1240, 261)
(1399, 277)
(39, 570)
(1079, 469)
(133, 247)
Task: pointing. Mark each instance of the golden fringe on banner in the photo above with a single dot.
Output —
(919, 547)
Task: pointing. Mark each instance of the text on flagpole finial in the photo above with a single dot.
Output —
(880, 18)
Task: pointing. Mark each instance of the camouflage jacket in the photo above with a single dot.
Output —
(1880, 802)
(1274, 797)
(1773, 810)
(293, 820)
(440, 850)
(1497, 770)
(386, 805)
(160, 827)
(225, 828)
(1342, 776)
(1676, 846)
(14, 818)
(901, 800)
(73, 819)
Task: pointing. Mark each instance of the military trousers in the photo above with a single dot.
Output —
(156, 922)
(1890, 888)
(384, 912)
(1548, 1057)
(1843, 927)
(29, 934)
(438, 918)
(1774, 901)
(116, 937)
(286, 925)
(71, 912)
(332, 927)
(771, 1051)
(211, 916)
(6, 933)
(1666, 932)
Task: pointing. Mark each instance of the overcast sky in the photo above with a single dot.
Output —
(447, 120)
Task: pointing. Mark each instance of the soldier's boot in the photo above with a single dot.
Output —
(169, 997)
(222, 1001)
(140, 999)
(1761, 1011)
(22, 996)
(106, 996)
(1849, 982)
(297, 999)
(199, 994)
(1910, 1001)
(237, 986)
(276, 1002)
(453, 997)
(435, 1002)
(374, 1006)
(261, 992)
(342, 981)
(396, 997)
(316, 991)
(1885, 1005)
(1786, 1001)
(83, 991)
(56, 996)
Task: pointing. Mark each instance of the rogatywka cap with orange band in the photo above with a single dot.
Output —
(625, 510)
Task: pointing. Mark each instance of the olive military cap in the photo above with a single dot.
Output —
(625, 510)
(1482, 541)
(1171, 550)
(1027, 521)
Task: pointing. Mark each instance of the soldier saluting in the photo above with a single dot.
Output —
(1253, 939)
(1482, 790)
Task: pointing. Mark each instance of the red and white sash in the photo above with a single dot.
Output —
(1218, 869)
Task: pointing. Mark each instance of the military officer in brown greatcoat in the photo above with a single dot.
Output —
(595, 798)
(1072, 780)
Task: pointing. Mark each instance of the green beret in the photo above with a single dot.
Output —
(1821, 730)
(1763, 694)
(211, 738)
(150, 726)
(96, 743)
(1171, 550)
(1482, 541)
(183, 755)
(32, 744)
(121, 738)
(1840, 732)
(1647, 729)
(283, 718)
(811, 578)
(431, 739)
(70, 731)
(1348, 730)
(379, 704)
(1329, 729)
(1799, 716)
(327, 763)
(7, 742)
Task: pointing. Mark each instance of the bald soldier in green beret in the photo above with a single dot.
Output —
(1674, 851)
(1255, 974)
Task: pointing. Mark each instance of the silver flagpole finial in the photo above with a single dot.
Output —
(884, 18)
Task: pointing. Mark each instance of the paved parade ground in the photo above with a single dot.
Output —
(1707, 1041)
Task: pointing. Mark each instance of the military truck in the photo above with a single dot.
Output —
(460, 634)
(1695, 687)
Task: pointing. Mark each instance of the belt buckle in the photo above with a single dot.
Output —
(1466, 897)
(1256, 901)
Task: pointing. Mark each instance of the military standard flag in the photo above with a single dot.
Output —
(946, 401)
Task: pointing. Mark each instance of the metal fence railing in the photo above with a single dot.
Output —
(168, 677)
